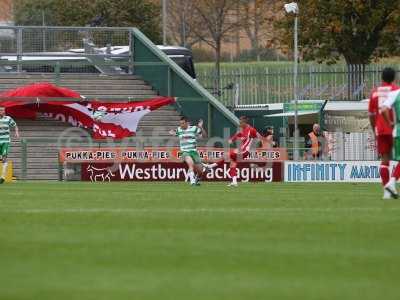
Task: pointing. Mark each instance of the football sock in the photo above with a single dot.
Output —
(384, 171)
(4, 171)
(396, 172)
(234, 180)
(192, 177)
(233, 175)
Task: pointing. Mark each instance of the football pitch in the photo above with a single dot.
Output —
(172, 241)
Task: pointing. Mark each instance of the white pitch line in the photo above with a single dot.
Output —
(197, 210)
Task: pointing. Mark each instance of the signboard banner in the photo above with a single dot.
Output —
(172, 171)
(112, 155)
(332, 171)
(303, 107)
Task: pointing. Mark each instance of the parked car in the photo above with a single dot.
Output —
(93, 63)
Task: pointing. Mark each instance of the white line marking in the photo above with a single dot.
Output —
(197, 210)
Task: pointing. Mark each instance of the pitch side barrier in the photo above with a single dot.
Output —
(332, 171)
(165, 164)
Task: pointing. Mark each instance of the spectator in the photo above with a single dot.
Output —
(267, 140)
(315, 142)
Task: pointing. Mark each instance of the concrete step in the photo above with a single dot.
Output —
(131, 92)
(28, 75)
(163, 113)
(42, 177)
(121, 98)
(33, 156)
(42, 171)
(53, 169)
(89, 86)
(158, 118)
(67, 82)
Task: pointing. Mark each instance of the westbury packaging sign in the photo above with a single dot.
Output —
(172, 171)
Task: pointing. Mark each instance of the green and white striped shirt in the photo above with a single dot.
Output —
(188, 138)
(5, 123)
(393, 101)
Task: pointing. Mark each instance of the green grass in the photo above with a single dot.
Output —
(171, 241)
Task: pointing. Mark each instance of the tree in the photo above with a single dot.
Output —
(181, 22)
(257, 18)
(356, 30)
(216, 20)
(143, 14)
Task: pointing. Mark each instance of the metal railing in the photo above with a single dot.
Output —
(263, 83)
(77, 49)
(339, 146)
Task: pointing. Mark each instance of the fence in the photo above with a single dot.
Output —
(44, 49)
(339, 146)
(250, 85)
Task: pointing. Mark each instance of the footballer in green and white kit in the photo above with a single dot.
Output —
(6, 123)
(393, 102)
(188, 135)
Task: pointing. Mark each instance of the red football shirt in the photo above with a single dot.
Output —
(245, 136)
(378, 96)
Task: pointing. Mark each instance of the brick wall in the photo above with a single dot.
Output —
(6, 14)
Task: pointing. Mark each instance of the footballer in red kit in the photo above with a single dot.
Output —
(245, 137)
(382, 130)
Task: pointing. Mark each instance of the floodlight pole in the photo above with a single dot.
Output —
(164, 21)
(296, 100)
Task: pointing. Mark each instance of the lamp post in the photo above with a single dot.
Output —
(164, 21)
(294, 9)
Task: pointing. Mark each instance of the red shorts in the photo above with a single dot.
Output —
(384, 144)
(234, 155)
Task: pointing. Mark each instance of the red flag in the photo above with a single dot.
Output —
(106, 120)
